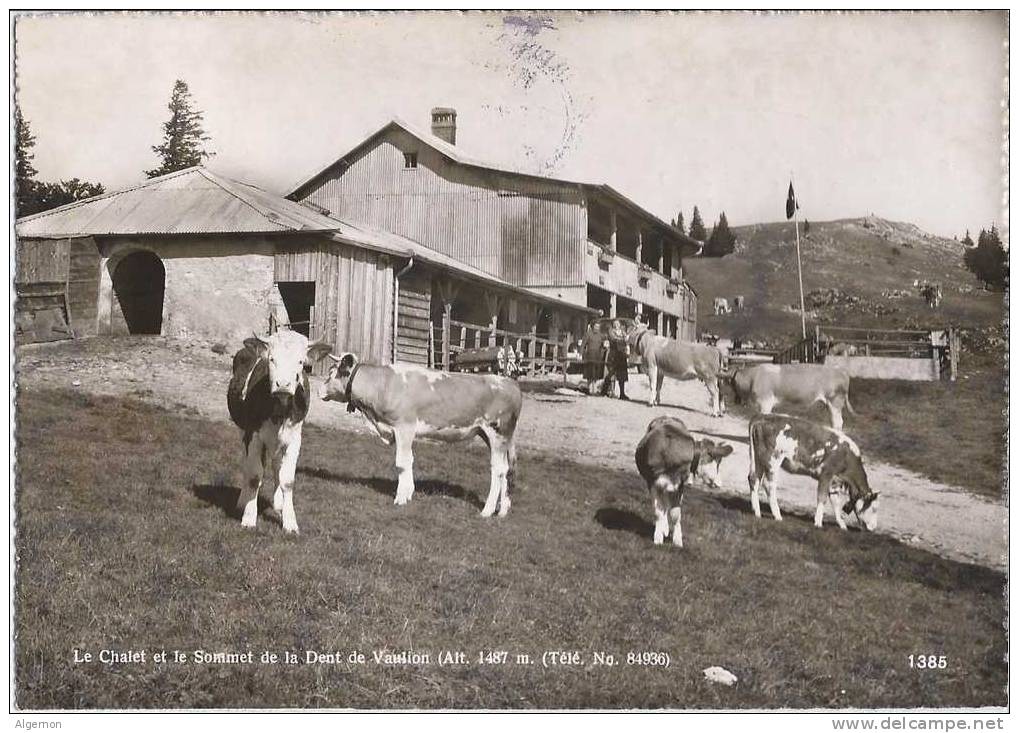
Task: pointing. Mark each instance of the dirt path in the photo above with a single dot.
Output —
(190, 377)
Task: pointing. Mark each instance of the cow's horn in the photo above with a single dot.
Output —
(335, 358)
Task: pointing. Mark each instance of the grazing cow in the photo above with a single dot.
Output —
(738, 303)
(661, 357)
(843, 350)
(764, 385)
(268, 399)
(667, 457)
(722, 306)
(401, 402)
(930, 292)
(806, 448)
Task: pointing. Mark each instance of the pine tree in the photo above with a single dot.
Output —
(24, 178)
(988, 259)
(680, 224)
(183, 135)
(722, 241)
(968, 240)
(697, 230)
(806, 227)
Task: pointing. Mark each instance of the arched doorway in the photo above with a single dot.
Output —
(138, 282)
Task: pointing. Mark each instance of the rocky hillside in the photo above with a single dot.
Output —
(856, 272)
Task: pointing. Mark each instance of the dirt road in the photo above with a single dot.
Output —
(190, 377)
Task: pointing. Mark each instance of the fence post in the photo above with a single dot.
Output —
(447, 310)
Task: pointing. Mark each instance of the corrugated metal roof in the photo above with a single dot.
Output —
(458, 156)
(198, 201)
(190, 201)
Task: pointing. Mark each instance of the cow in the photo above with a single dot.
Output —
(401, 402)
(843, 350)
(661, 357)
(268, 398)
(667, 457)
(764, 385)
(738, 303)
(802, 447)
(722, 306)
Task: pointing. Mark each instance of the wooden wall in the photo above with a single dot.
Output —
(529, 232)
(69, 265)
(353, 295)
(413, 310)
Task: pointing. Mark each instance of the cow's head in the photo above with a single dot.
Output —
(707, 460)
(289, 355)
(337, 385)
(736, 383)
(863, 502)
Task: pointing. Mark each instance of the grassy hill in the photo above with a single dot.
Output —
(866, 259)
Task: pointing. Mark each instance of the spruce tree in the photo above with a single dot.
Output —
(680, 224)
(24, 171)
(988, 259)
(697, 230)
(183, 135)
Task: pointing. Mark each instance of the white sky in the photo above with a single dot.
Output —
(896, 114)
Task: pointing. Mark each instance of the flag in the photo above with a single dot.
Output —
(790, 203)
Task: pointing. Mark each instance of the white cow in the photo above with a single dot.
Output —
(268, 399)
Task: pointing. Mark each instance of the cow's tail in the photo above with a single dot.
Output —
(753, 460)
(849, 405)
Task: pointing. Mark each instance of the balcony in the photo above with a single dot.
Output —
(621, 275)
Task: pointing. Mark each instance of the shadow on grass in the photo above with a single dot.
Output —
(622, 519)
(387, 487)
(225, 497)
(743, 506)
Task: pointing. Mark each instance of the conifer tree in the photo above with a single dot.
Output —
(183, 135)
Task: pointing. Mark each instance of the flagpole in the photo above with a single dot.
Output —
(799, 270)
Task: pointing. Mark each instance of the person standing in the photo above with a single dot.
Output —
(618, 359)
(593, 356)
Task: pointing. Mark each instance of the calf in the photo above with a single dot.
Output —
(765, 385)
(667, 457)
(268, 398)
(738, 303)
(721, 306)
(402, 402)
(802, 447)
(661, 357)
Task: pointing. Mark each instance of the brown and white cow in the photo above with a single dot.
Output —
(402, 402)
(765, 385)
(667, 457)
(803, 447)
(268, 398)
(662, 357)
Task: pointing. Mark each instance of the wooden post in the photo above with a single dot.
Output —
(661, 323)
(612, 233)
(612, 305)
(447, 311)
(640, 246)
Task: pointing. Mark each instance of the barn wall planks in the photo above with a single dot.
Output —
(41, 260)
(413, 317)
(353, 294)
(530, 232)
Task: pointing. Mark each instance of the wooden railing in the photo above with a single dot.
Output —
(539, 355)
(879, 342)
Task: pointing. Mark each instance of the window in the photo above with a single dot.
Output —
(410, 160)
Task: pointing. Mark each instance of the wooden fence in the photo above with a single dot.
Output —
(539, 355)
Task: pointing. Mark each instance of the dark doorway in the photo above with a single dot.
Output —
(599, 299)
(139, 281)
(299, 300)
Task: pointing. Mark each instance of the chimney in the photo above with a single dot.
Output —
(444, 124)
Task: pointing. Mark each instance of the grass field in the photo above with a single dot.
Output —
(127, 539)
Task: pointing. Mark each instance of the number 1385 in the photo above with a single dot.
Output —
(928, 661)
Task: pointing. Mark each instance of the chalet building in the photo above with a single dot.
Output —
(581, 244)
(196, 254)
